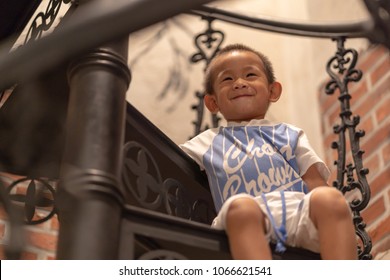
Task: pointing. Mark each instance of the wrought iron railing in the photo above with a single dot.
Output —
(43, 21)
(351, 176)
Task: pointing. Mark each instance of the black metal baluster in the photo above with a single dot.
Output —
(207, 44)
(341, 69)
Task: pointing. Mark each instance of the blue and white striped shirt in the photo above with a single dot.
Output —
(254, 158)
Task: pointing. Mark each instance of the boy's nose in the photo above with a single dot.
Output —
(240, 84)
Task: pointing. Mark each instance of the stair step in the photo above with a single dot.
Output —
(147, 234)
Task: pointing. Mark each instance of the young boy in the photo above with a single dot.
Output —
(267, 182)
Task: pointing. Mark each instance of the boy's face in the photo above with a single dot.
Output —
(241, 89)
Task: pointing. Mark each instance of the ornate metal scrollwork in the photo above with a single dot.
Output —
(141, 176)
(207, 44)
(38, 195)
(341, 69)
(44, 20)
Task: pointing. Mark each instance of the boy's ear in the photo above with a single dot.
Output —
(211, 103)
(275, 91)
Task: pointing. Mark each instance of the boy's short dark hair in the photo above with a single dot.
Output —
(268, 68)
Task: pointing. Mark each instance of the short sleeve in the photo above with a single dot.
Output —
(198, 146)
(307, 157)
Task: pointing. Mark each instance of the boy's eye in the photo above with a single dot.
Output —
(227, 79)
(251, 74)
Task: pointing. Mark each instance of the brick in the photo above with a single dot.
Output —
(367, 125)
(42, 240)
(373, 211)
(386, 153)
(370, 58)
(365, 108)
(42, 226)
(375, 140)
(28, 256)
(380, 182)
(359, 93)
(21, 189)
(334, 116)
(372, 164)
(383, 111)
(383, 246)
(381, 90)
(54, 223)
(388, 194)
(329, 100)
(380, 71)
(381, 231)
(348, 150)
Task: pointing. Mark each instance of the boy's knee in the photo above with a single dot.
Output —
(329, 201)
(244, 210)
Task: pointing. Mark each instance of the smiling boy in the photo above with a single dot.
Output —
(266, 181)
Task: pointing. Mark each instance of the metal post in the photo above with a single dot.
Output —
(89, 198)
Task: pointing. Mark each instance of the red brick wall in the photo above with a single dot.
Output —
(371, 101)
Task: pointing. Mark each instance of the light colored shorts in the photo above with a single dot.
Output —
(301, 231)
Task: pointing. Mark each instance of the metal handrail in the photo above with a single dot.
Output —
(358, 29)
(123, 17)
(93, 24)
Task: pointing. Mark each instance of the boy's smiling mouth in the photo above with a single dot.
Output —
(241, 95)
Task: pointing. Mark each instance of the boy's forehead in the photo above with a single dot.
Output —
(237, 56)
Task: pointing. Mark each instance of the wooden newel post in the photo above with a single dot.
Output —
(89, 198)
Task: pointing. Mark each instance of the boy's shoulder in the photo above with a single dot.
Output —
(260, 123)
(210, 133)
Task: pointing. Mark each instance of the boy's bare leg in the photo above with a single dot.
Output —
(331, 216)
(245, 227)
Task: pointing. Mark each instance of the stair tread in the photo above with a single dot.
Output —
(177, 229)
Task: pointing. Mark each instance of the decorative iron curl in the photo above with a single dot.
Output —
(34, 199)
(341, 69)
(364, 253)
(207, 44)
(44, 20)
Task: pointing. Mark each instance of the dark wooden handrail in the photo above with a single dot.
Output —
(358, 29)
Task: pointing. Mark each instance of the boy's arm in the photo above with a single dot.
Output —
(313, 178)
